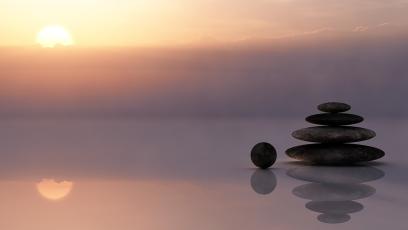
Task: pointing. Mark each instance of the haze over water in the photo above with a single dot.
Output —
(268, 80)
(180, 174)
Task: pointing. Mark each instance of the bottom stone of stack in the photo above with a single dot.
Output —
(334, 154)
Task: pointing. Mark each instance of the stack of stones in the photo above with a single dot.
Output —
(333, 137)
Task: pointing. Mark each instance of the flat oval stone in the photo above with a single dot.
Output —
(334, 119)
(334, 107)
(333, 134)
(334, 154)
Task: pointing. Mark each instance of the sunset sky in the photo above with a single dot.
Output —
(175, 22)
(201, 58)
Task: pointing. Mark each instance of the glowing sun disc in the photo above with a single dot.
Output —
(53, 190)
(51, 36)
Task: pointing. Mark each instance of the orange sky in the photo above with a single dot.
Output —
(168, 22)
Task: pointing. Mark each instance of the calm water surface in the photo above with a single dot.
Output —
(190, 174)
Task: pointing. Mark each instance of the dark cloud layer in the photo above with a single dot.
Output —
(272, 79)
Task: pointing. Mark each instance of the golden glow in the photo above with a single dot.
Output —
(165, 22)
(53, 190)
(51, 36)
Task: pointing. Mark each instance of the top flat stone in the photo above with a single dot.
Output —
(334, 107)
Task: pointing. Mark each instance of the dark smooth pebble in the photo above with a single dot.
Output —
(333, 134)
(334, 107)
(263, 155)
(335, 154)
(334, 119)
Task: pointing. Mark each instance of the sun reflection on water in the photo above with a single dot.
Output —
(54, 190)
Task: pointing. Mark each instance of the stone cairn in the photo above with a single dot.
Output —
(332, 138)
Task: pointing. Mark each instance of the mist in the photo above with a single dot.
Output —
(276, 78)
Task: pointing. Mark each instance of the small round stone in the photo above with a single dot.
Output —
(263, 155)
(334, 107)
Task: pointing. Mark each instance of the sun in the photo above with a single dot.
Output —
(51, 36)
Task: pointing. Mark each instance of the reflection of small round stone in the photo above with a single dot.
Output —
(263, 155)
(263, 181)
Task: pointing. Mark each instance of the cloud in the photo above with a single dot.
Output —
(320, 30)
(305, 33)
(360, 29)
(366, 27)
(383, 24)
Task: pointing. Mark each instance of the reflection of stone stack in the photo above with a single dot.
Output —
(333, 136)
(333, 190)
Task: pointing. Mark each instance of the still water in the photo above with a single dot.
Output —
(190, 174)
